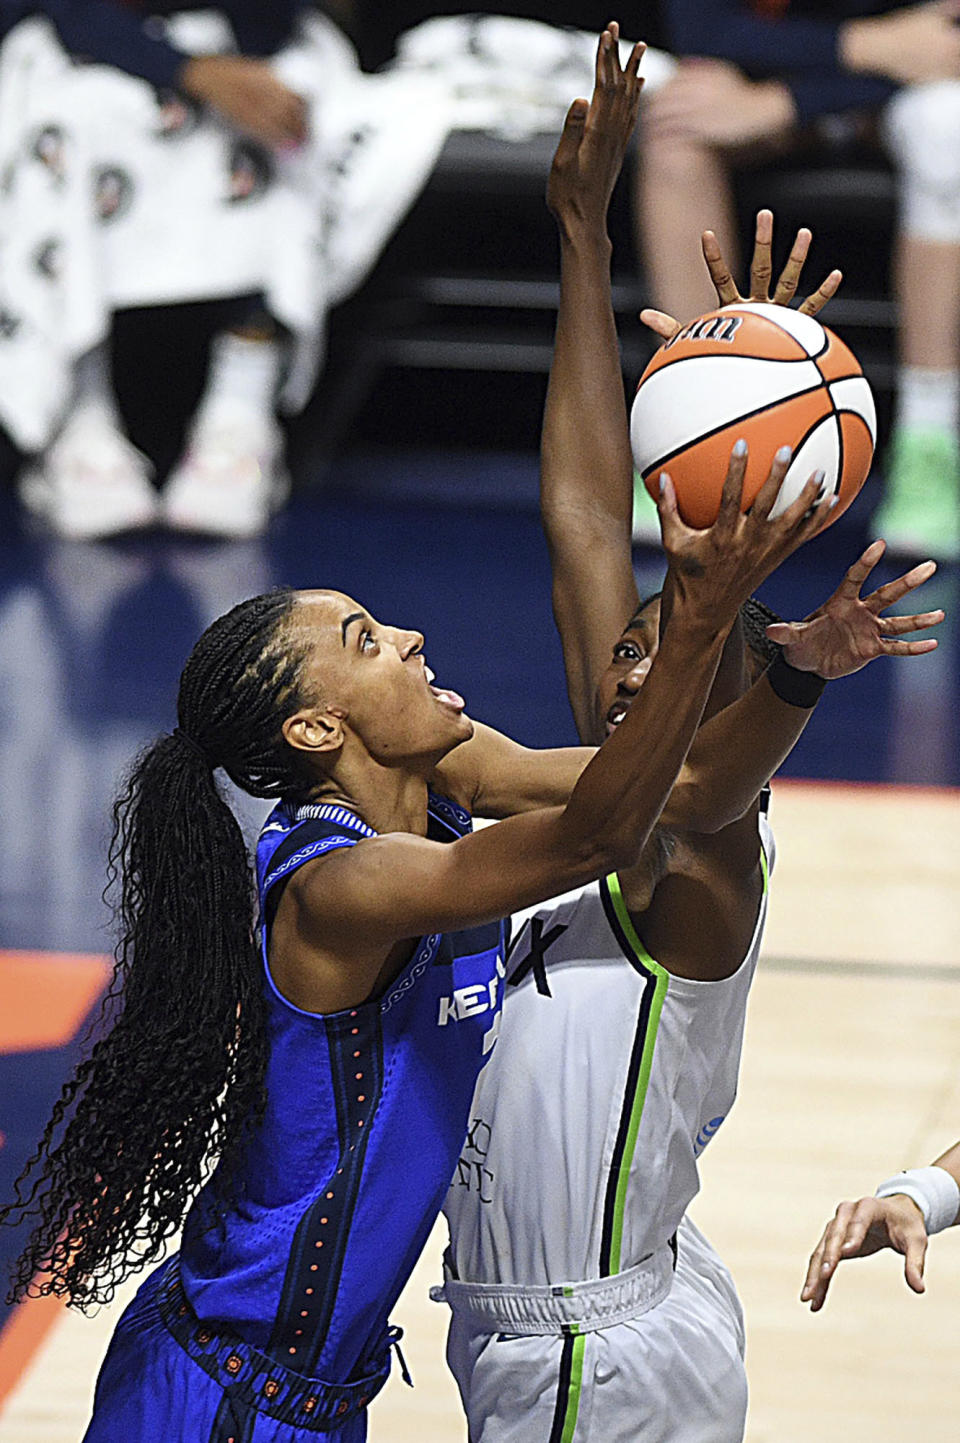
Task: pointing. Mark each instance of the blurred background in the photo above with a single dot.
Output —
(277, 295)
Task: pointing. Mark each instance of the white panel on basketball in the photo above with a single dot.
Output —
(820, 451)
(854, 394)
(685, 401)
(804, 329)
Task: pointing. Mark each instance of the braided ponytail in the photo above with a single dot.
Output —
(176, 1080)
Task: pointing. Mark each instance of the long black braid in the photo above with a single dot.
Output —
(177, 1079)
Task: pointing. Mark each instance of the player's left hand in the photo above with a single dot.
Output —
(590, 154)
(848, 631)
(761, 273)
(858, 1229)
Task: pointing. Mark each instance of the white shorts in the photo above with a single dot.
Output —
(673, 1375)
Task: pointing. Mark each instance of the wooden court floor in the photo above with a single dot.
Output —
(851, 1071)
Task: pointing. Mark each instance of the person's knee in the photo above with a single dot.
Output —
(672, 159)
(923, 134)
(923, 129)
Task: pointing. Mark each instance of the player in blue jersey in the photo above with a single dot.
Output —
(326, 1066)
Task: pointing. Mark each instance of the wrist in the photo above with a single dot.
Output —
(700, 626)
(933, 1189)
(793, 686)
(583, 235)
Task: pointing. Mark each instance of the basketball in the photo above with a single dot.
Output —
(769, 375)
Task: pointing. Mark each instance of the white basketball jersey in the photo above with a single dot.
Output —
(609, 1079)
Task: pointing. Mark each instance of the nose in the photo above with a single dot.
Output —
(633, 680)
(408, 643)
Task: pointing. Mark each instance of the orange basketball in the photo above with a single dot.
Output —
(764, 373)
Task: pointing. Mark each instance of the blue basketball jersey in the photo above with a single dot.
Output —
(366, 1114)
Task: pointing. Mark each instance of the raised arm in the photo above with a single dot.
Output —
(586, 467)
(737, 751)
(355, 906)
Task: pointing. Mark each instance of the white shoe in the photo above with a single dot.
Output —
(91, 482)
(231, 478)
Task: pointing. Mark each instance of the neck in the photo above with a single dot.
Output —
(388, 799)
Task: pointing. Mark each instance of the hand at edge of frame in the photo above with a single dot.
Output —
(858, 1229)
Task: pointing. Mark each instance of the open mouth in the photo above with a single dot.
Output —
(444, 695)
(616, 715)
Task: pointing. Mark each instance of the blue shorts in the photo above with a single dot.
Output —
(168, 1376)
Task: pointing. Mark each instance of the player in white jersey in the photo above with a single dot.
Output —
(585, 1304)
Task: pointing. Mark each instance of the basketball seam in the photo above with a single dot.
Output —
(731, 356)
(726, 425)
(808, 433)
(774, 322)
(836, 417)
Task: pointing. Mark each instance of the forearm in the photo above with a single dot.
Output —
(493, 776)
(621, 794)
(950, 1162)
(586, 469)
(586, 465)
(732, 759)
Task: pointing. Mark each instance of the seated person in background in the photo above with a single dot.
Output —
(772, 70)
(160, 151)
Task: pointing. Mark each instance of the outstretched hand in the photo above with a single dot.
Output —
(858, 1229)
(848, 631)
(761, 273)
(720, 566)
(595, 137)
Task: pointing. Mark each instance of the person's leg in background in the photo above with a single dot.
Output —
(91, 481)
(231, 477)
(692, 130)
(682, 189)
(920, 514)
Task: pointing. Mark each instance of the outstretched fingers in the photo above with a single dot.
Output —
(731, 497)
(662, 325)
(766, 497)
(852, 584)
(761, 266)
(633, 64)
(903, 625)
(790, 275)
(825, 291)
(843, 1237)
(672, 527)
(897, 589)
(572, 133)
(720, 273)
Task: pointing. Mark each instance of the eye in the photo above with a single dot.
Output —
(627, 651)
(367, 641)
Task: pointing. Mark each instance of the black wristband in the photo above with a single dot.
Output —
(796, 688)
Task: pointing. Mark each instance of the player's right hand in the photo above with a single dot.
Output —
(248, 94)
(716, 569)
(761, 273)
(858, 1229)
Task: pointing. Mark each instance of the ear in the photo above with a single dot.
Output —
(311, 730)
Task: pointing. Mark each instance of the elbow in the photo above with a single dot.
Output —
(609, 851)
(694, 807)
(617, 850)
